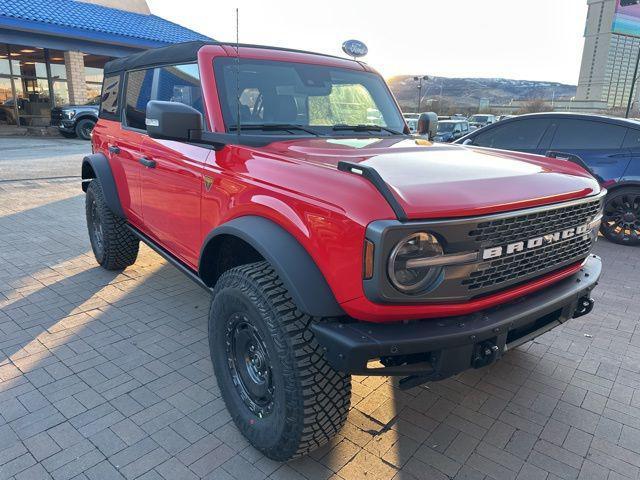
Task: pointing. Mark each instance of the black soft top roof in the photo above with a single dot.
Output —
(178, 53)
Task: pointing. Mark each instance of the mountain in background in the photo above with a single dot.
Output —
(447, 95)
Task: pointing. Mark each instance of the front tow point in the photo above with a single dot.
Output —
(484, 354)
(585, 305)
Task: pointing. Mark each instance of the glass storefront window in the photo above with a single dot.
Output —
(60, 92)
(7, 103)
(34, 104)
(28, 61)
(4, 60)
(33, 80)
(57, 66)
(93, 93)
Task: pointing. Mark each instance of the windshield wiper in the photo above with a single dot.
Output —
(268, 127)
(366, 128)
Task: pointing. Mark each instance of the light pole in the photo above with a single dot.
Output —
(419, 80)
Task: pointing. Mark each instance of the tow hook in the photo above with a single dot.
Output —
(485, 354)
(585, 305)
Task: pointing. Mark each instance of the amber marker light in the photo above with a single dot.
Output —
(367, 270)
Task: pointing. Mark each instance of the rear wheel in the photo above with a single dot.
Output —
(279, 389)
(621, 221)
(84, 128)
(113, 245)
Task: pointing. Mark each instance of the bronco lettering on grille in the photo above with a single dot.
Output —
(536, 242)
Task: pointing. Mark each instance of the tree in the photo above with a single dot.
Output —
(534, 106)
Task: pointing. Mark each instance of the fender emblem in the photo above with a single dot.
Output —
(208, 182)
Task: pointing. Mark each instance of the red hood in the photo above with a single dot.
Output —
(439, 181)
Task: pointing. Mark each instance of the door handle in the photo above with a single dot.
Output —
(147, 162)
(113, 149)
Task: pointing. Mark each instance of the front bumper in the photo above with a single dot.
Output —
(437, 349)
(67, 126)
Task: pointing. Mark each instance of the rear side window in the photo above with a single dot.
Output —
(139, 84)
(518, 135)
(584, 134)
(179, 83)
(109, 98)
(171, 83)
(632, 140)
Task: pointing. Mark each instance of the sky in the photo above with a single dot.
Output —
(517, 39)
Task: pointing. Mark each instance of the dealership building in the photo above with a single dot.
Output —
(611, 49)
(52, 52)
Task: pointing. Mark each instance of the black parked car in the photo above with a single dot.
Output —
(76, 120)
(608, 147)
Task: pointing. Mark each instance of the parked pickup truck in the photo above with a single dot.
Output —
(330, 245)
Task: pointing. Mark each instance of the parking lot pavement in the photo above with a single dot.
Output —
(107, 375)
(41, 157)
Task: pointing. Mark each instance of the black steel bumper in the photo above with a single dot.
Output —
(436, 349)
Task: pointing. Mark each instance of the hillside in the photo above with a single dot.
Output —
(466, 93)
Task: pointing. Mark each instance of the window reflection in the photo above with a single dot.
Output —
(28, 61)
(4, 60)
(33, 80)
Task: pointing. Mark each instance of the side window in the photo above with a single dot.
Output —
(179, 83)
(584, 134)
(109, 99)
(632, 140)
(139, 85)
(518, 135)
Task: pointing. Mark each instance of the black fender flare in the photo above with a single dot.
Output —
(295, 267)
(85, 116)
(97, 166)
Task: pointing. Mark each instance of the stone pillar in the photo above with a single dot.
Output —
(74, 62)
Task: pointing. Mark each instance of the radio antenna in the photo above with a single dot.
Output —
(238, 125)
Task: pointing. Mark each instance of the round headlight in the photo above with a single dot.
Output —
(69, 114)
(405, 272)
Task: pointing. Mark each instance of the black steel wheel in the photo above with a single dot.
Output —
(94, 224)
(113, 245)
(274, 378)
(84, 128)
(249, 365)
(621, 221)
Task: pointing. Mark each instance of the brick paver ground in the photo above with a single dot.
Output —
(107, 375)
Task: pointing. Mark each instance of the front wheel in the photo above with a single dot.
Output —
(84, 128)
(621, 221)
(113, 245)
(276, 383)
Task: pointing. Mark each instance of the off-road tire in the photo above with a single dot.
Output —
(621, 222)
(311, 399)
(84, 128)
(118, 247)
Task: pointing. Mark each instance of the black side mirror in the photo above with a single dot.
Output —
(428, 125)
(173, 121)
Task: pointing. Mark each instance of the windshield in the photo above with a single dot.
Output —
(479, 119)
(446, 127)
(274, 93)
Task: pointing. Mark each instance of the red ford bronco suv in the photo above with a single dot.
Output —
(333, 243)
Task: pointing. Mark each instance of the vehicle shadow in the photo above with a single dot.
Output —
(34, 240)
(71, 310)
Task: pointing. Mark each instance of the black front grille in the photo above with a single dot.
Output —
(508, 270)
(525, 264)
(522, 227)
(56, 114)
